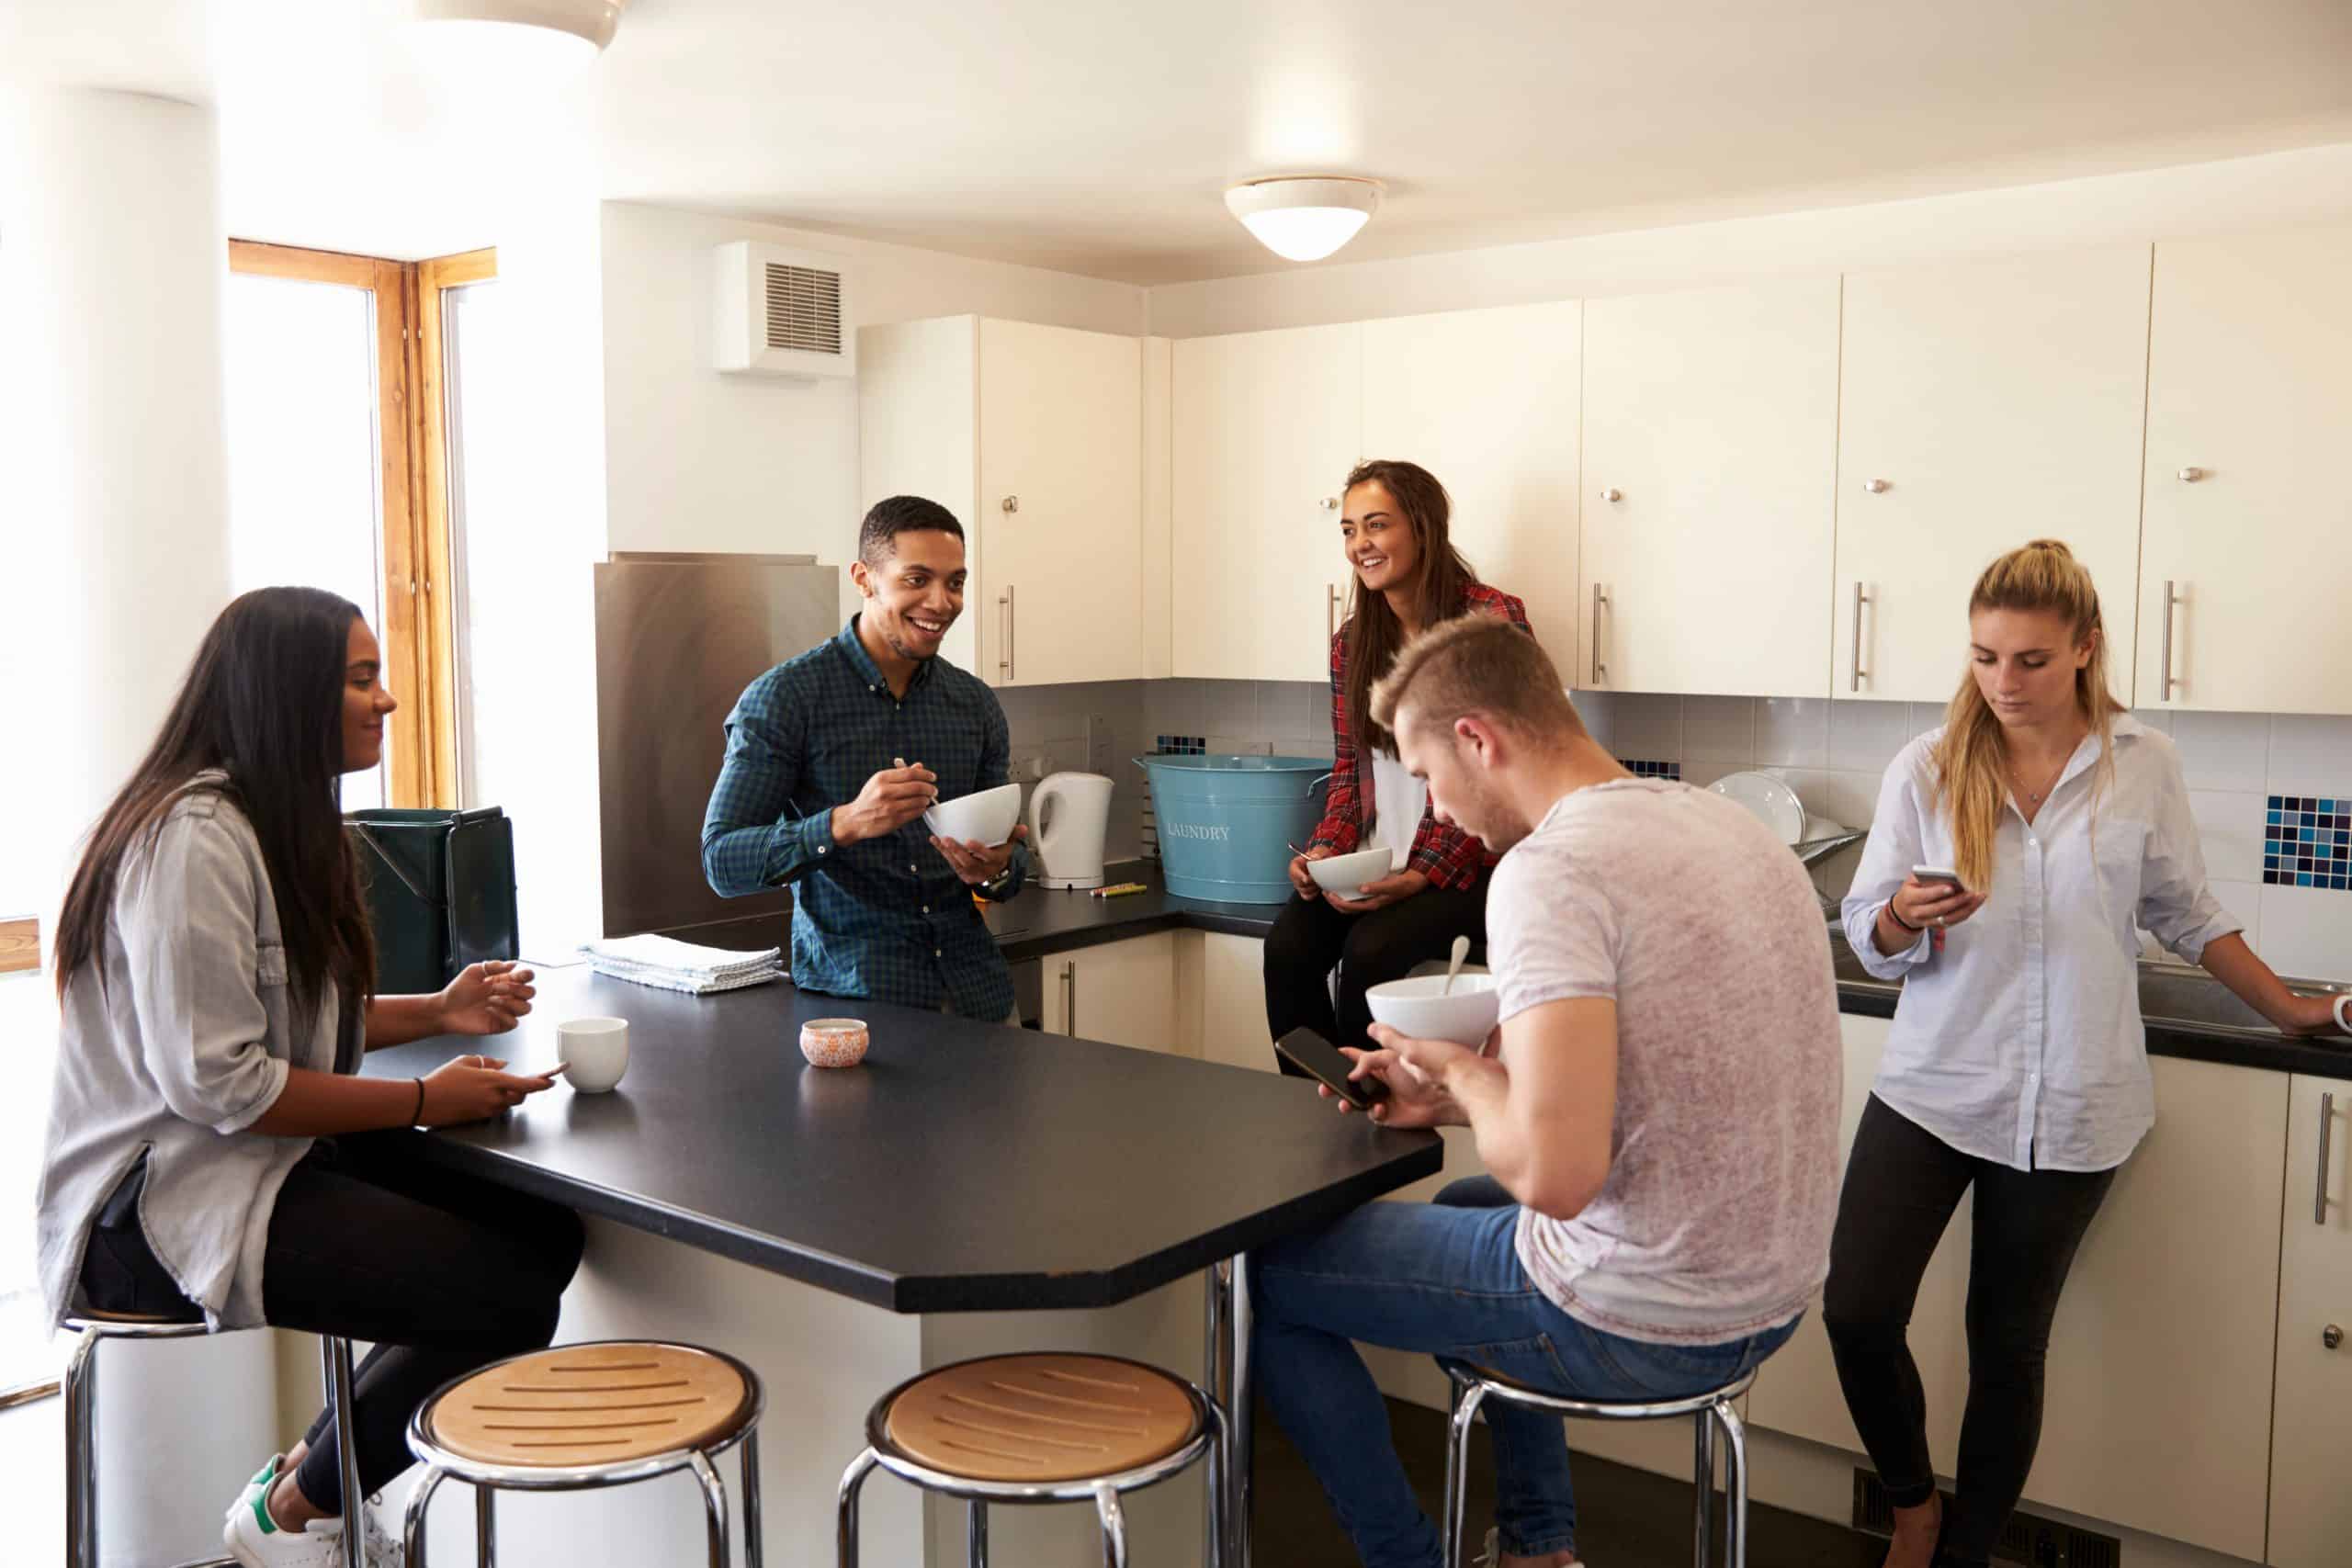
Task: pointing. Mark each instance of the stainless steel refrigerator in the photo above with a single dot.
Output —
(678, 637)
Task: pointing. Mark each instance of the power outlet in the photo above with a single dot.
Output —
(1027, 770)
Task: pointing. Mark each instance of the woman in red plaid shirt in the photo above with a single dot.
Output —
(1408, 576)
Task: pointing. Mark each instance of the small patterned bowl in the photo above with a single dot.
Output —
(833, 1041)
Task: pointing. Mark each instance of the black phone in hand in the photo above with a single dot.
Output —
(1319, 1059)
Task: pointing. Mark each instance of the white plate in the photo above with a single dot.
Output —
(1769, 800)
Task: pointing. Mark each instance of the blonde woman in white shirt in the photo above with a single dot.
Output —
(2017, 1063)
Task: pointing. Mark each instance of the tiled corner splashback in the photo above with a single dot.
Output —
(1833, 754)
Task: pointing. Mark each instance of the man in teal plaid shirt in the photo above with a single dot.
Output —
(831, 759)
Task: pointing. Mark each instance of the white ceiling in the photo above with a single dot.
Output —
(1096, 138)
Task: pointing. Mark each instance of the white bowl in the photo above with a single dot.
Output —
(1345, 875)
(1415, 1007)
(595, 1051)
(987, 816)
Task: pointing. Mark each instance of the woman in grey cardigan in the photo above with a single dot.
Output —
(209, 1149)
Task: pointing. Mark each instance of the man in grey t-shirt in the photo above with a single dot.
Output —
(1659, 1103)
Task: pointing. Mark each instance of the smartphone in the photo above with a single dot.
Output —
(1320, 1057)
(1936, 874)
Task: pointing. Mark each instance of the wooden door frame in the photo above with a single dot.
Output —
(418, 630)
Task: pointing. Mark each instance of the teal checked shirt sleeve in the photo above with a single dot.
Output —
(884, 918)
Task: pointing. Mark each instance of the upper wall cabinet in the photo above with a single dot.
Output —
(1487, 401)
(1265, 428)
(1033, 437)
(2249, 503)
(1710, 439)
(1985, 404)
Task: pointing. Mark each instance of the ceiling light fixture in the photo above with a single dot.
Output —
(1304, 218)
(550, 33)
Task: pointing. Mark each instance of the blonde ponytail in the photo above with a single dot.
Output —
(1973, 758)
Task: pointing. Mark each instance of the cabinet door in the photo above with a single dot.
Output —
(1232, 1002)
(2311, 1507)
(2249, 503)
(2157, 1409)
(1122, 993)
(1983, 404)
(1709, 440)
(1487, 401)
(918, 430)
(1058, 584)
(1266, 426)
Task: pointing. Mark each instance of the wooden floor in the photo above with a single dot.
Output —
(1625, 1517)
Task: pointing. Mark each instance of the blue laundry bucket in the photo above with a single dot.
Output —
(1226, 824)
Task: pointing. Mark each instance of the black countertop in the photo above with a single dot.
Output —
(961, 1168)
(1041, 921)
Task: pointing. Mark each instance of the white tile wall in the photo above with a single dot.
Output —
(1834, 755)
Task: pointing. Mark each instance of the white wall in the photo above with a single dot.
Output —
(2275, 188)
(700, 461)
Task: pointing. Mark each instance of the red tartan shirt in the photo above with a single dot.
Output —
(1446, 855)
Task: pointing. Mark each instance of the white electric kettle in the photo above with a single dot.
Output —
(1068, 814)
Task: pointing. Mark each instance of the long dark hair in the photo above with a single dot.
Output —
(1440, 579)
(263, 703)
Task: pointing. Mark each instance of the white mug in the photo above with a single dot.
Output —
(594, 1050)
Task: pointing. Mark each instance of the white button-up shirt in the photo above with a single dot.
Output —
(2021, 1041)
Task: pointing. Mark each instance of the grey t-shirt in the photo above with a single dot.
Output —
(1714, 1223)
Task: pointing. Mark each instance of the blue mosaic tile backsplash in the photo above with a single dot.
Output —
(2307, 841)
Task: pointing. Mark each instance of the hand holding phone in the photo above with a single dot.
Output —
(1936, 874)
(1318, 1057)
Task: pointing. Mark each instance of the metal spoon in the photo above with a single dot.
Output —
(1453, 964)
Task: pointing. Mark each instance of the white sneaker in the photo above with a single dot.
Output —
(254, 1540)
(378, 1548)
(264, 1478)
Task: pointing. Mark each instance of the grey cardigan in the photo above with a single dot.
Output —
(188, 1040)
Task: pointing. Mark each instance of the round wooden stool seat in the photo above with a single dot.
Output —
(1041, 1417)
(589, 1404)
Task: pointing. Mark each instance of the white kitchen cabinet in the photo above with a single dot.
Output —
(2311, 1432)
(2157, 1399)
(1122, 993)
(1032, 437)
(1983, 404)
(1229, 975)
(1265, 427)
(1710, 450)
(1487, 400)
(2248, 499)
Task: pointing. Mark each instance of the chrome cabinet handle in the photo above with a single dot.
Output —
(2331, 1336)
(1859, 674)
(1599, 603)
(1330, 611)
(1010, 503)
(2326, 1127)
(2189, 475)
(2171, 598)
(1331, 503)
(1876, 487)
(1004, 616)
(1069, 999)
(1612, 493)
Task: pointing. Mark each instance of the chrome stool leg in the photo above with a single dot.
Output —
(1457, 1466)
(1703, 1477)
(1115, 1527)
(714, 1504)
(754, 1551)
(81, 1453)
(1220, 1462)
(338, 1383)
(485, 1527)
(413, 1542)
(975, 1533)
(1734, 1483)
(845, 1512)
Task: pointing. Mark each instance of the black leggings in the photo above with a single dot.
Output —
(441, 1273)
(1902, 1184)
(1310, 937)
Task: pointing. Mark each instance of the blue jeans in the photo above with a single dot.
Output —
(1447, 1280)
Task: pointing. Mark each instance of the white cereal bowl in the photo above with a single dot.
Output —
(987, 816)
(1415, 1007)
(596, 1052)
(1346, 874)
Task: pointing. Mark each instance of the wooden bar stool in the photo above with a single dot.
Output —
(580, 1417)
(1472, 1387)
(1040, 1429)
(95, 1327)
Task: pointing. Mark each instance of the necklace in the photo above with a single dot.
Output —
(2034, 796)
